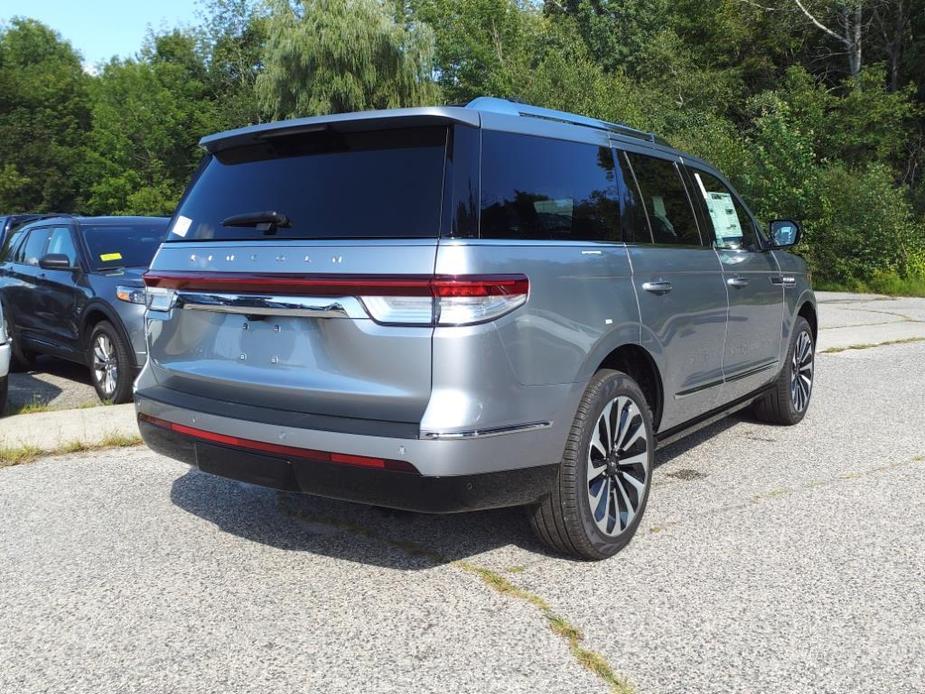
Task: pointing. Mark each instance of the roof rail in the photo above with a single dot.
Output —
(514, 108)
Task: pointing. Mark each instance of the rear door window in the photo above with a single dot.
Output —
(538, 188)
(666, 202)
(328, 185)
(732, 225)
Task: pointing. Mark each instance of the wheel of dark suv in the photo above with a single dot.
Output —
(110, 364)
(787, 402)
(605, 474)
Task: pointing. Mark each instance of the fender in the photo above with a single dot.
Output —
(93, 306)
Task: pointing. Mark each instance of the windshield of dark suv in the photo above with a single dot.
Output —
(114, 246)
(327, 185)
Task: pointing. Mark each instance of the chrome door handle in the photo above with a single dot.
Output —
(657, 287)
(737, 282)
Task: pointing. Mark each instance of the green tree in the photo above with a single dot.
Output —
(332, 56)
(148, 115)
(44, 115)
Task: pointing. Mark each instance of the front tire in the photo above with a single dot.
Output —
(110, 364)
(786, 403)
(605, 475)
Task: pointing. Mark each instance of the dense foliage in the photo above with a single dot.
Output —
(815, 109)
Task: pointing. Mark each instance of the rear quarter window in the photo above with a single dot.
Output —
(383, 184)
(544, 189)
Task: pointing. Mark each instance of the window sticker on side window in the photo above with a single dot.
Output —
(723, 213)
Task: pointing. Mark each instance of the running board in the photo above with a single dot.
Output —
(665, 438)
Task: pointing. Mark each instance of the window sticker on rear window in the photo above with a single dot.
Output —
(181, 226)
(109, 257)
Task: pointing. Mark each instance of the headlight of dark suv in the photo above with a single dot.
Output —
(132, 295)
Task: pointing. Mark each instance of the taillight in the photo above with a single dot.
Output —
(453, 300)
(390, 299)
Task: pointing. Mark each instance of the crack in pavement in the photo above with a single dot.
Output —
(588, 659)
(764, 497)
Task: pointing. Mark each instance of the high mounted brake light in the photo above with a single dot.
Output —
(389, 299)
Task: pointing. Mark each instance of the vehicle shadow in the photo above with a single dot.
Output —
(347, 531)
(369, 535)
(33, 388)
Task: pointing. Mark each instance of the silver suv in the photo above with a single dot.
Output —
(448, 309)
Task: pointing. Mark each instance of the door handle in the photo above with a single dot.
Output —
(737, 282)
(660, 287)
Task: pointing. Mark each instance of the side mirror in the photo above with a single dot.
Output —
(785, 233)
(55, 261)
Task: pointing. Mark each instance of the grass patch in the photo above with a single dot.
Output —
(18, 455)
(869, 345)
(888, 283)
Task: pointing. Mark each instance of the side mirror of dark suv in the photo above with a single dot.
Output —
(785, 233)
(55, 261)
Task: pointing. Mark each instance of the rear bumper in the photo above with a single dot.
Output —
(390, 488)
(492, 470)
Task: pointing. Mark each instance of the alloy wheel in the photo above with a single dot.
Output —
(105, 364)
(801, 371)
(618, 466)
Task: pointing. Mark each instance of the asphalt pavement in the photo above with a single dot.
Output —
(770, 559)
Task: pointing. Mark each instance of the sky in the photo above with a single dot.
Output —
(101, 29)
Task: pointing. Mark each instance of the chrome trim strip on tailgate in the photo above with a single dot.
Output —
(256, 305)
(484, 433)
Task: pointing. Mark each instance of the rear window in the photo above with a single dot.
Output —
(124, 245)
(385, 184)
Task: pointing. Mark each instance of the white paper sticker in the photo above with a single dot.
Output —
(181, 226)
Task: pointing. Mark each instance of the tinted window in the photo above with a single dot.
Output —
(62, 242)
(34, 247)
(9, 245)
(732, 225)
(536, 188)
(329, 185)
(667, 205)
(124, 245)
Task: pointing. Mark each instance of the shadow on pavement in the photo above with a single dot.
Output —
(369, 535)
(339, 529)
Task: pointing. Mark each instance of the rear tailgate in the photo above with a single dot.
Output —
(269, 257)
(311, 351)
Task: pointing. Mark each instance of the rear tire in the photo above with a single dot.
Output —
(605, 475)
(786, 403)
(110, 364)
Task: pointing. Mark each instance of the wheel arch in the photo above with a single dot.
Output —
(635, 361)
(95, 313)
(808, 311)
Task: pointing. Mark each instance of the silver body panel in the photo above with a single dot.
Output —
(496, 396)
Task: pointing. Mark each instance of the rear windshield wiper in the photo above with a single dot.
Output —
(267, 222)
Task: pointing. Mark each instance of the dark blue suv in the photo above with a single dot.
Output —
(71, 287)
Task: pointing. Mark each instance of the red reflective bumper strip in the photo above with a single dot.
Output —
(275, 449)
(342, 285)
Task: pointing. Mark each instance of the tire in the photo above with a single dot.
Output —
(110, 363)
(568, 520)
(4, 387)
(787, 402)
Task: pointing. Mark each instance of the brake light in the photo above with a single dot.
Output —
(390, 299)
